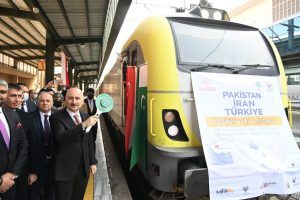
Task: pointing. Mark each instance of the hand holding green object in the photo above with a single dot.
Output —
(104, 103)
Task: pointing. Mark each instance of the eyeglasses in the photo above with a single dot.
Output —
(3, 91)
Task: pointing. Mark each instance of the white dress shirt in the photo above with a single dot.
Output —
(43, 117)
(24, 106)
(72, 115)
(3, 119)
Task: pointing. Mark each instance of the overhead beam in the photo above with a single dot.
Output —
(35, 58)
(89, 76)
(77, 40)
(86, 63)
(17, 47)
(11, 12)
(87, 70)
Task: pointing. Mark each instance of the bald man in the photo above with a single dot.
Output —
(74, 155)
(43, 187)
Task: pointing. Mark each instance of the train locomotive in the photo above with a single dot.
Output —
(168, 49)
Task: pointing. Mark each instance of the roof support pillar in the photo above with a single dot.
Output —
(70, 69)
(50, 58)
(76, 76)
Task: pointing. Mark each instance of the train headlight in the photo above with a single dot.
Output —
(217, 15)
(173, 125)
(169, 117)
(205, 13)
(173, 130)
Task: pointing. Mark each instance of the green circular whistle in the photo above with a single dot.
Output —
(104, 103)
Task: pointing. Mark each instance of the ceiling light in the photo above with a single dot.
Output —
(82, 45)
(35, 10)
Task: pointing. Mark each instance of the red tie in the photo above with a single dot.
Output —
(76, 119)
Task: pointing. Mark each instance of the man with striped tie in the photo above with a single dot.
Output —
(74, 155)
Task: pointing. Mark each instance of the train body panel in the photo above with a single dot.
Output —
(174, 148)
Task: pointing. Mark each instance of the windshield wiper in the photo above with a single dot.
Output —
(207, 66)
(249, 67)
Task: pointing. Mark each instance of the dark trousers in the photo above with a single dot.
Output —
(71, 189)
(9, 195)
(22, 187)
(43, 188)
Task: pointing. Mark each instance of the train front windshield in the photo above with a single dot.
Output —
(243, 50)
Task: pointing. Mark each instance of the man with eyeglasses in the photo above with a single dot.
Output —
(13, 147)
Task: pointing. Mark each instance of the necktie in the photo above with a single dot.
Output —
(76, 119)
(4, 133)
(47, 129)
(22, 108)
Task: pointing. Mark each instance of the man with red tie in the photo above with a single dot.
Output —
(13, 147)
(73, 151)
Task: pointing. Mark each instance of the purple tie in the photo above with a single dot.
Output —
(4, 133)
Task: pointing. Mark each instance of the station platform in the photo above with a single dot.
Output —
(109, 182)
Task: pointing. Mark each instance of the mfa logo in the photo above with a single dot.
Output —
(225, 191)
(245, 189)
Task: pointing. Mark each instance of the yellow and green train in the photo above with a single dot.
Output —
(172, 47)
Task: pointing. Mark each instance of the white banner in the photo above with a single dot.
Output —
(248, 144)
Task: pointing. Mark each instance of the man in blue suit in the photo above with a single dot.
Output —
(43, 188)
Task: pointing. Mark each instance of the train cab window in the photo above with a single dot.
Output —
(243, 50)
(133, 61)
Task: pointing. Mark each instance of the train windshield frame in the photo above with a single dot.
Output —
(222, 49)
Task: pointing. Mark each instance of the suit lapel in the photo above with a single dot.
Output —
(83, 116)
(67, 118)
(39, 123)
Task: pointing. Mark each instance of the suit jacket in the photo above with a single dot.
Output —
(31, 106)
(43, 149)
(26, 120)
(12, 160)
(89, 111)
(72, 147)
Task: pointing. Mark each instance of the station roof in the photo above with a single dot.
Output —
(75, 26)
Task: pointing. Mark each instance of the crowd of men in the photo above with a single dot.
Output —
(45, 151)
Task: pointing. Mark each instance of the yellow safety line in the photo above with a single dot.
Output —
(89, 193)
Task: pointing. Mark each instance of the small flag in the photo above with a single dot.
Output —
(130, 105)
(139, 143)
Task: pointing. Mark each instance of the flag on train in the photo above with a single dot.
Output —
(139, 143)
(64, 69)
(130, 105)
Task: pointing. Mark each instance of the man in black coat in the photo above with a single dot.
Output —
(28, 174)
(13, 147)
(91, 109)
(43, 188)
(73, 152)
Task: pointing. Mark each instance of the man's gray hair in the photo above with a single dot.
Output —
(3, 83)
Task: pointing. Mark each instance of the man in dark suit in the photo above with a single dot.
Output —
(13, 147)
(27, 105)
(90, 102)
(74, 154)
(33, 96)
(28, 174)
(91, 109)
(43, 188)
